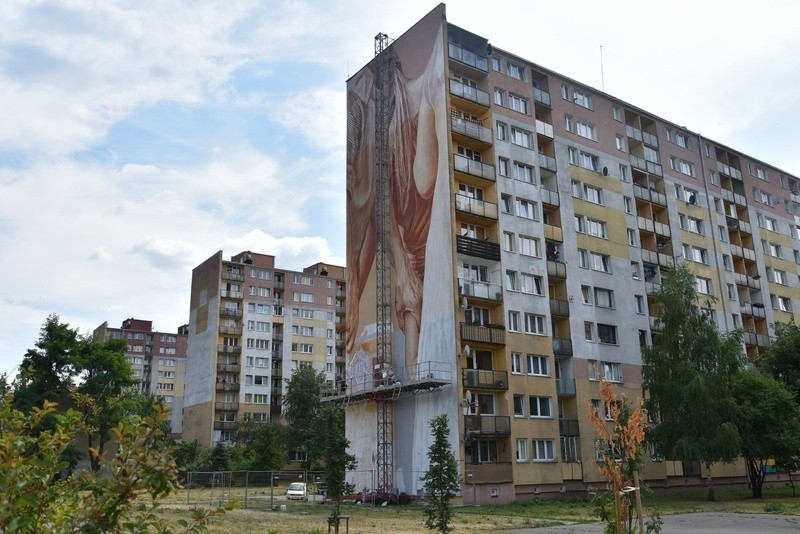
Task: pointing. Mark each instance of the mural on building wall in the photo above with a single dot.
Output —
(420, 237)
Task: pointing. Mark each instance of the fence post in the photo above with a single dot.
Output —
(213, 479)
(246, 486)
(188, 486)
(271, 490)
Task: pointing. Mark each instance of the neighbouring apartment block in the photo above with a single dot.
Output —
(507, 227)
(250, 325)
(157, 359)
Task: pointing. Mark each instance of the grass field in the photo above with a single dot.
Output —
(305, 518)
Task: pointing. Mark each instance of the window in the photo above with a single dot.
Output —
(526, 209)
(508, 242)
(303, 297)
(531, 284)
(583, 258)
(607, 334)
(516, 363)
(528, 246)
(513, 321)
(305, 348)
(628, 204)
(612, 371)
(636, 273)
(714, 178)
(603, 298)
(583, 159)
(583, 99)
(631, 237)
(769, 223)
(543, 450)
(639, 303)
(600, 262)
(496, 64)
(538, 365)
(623, 172)
(588, 331)
(569, 123)
(261, 274)
(586, 130)
(679, 138)
(477, 316)
(499, 97)
(594, 375)
(694, 225)
(522, 450)
(592, 194)
(515, 71)
(759, 172)
(540, 407)
(521, 137)
(782, 303)
(702, 285)
(487, 451)
(534, 324)
(519, 405)
(511, 281)
(517, 103)
(505, 203)
(695, 254)
(586, 294)
(616, 112)
(523, 173)
(620, 143)
(779, 277)
(502, 131)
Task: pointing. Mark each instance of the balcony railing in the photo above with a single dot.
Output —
(650, 195)
(225, 425)
(228, 367)
(633, 132)
(556, 269)
(747, 280)
(559, 307)
(568, 427)
(484, 379)
(474, 168)
(487, 425)
(547, 163)
(541, 96)
(226, 406)
(230, 312)
(484, 334)
(759, 340)
(469, 93)
(729, 171)
(471, 129)
(646, 166)
(227, 386)
(231, 294)
(544, 128)
(549, 197)
(553, 233)
(481, 208)
(565, 387)
(467, 57)
(562, 346)
(231, 330)
(233, 277)
(229, 349)
(478, 248)
(481, 290)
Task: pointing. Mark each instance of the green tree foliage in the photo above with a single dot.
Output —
(441, 479)
(328, 452)
(259, 447)
(768, 420)
(782, 358)
(191, 456)
(301, 404)
(687, 375)
(219, 459)
(124, 499)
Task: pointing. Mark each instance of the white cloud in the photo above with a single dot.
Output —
(318, 114)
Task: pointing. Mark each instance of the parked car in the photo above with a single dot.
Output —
(297, 491)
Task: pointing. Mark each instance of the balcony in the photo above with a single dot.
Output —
(650, 195)
(279, 284)
(471, 129)
(642, 136)
(565, 387)
(541, 96)
(655, 323)
(229, 349)
(473, 206)
(231, 330)
(468, 93)
(759, 340)
(226, 386)
(275, 409)
(559, 308)
(224, 293)
(741, 252)
(654, 227)
(483, 334)
(487, 426)
(467, 57)
(727, 170)
(225, 425)
(474, 168)
(547, 163)
(230, 312)
(484, 379)
(228, 368)
(747, 280)
(543, 128)
(233, 277)
(556, 269)
(568, 427)
(549, 197)
(490, 472)
(226, 406)
(276, 390)
(477, 248)
(756, 310)
(277, 336)
(562, 346)
(480, 290)
(658, 258)
(553, 233)
(646, 166)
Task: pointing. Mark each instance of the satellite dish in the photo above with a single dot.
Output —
(692, 199)
(605, 171)
(467, 351)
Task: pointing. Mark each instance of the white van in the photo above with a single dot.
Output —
(297, 491)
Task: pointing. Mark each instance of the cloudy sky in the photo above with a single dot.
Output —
(138, 138)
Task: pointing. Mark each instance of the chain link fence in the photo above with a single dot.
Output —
(252, 489)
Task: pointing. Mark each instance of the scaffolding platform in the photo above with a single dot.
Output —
(383, 385)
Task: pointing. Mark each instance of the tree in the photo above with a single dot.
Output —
(191, 456)
(260, 446)
(301, 403)
(106, 385)
(441, 478)
(219, 459)
(124, 499)
(328, 451)
(782, 358)
(768, 420)
(687, 375)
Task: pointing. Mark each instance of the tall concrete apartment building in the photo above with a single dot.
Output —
(157, 359)
(250, 325)
(507, 227)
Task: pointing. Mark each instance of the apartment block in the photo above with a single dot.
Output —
(507, 227)
(250, 325)
(157, 359)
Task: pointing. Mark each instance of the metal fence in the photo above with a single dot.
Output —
(252, 489)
